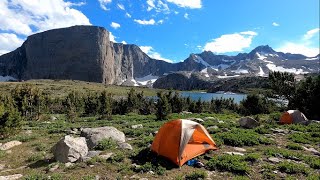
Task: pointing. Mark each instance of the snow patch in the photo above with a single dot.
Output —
(273, 67)
(144, 80)
(135, 82)
(311, 59)
(7, 78)
(261, 57)
(201, 61)
(205, 72)
(226, 76)
(261, 73)
(241, 71)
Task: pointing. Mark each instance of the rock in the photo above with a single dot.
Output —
(313, 150)
(239, 149)
(91, 165)
(143, 179)
(95, 135)
(209, 118)
(150, 172)
(0, 144)
(9, 145)
(97, 177)
(135, 176)
(281, 131)
(29, 132)
(135, 166)
(196, 119)
(53, 118)
(155, 133)
(2, 166)
(9, 151)
(212, 127)
(137, 126)
(70, 149)
(68, 164)
(125, 146)
(234, 153)
(248, 122)
(274, 160)
(11, 177)
(93, 153)
(185, 112)
(53, 168)
(106, 156)
(220, 122)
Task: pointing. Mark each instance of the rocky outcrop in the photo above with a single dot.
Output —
(248, 122)
(9, 145)
(70, 149)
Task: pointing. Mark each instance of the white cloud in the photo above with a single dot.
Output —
(121, 6)
(153, 54)
(310, 34)
(103, 4)
(145, 22)
(275, 24)
(124, 42)
(192, 4)
(9, 42)
(231, 42)
(128, 15)
(23, 18)
(294, 48)
(112, 37)
(115, 25)
(186, 15)
(304, 45)
(158, 6)
(160, 21)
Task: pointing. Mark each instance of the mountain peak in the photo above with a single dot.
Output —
(266, 49)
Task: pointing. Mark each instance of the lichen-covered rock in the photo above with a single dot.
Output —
(9, 145)
(95, 135)
(248, 122)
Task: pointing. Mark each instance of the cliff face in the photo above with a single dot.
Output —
(80, 53)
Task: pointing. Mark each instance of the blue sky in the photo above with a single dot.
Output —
(172, 29)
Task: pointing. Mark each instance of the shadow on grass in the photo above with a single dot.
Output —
(146, 155)
(40, 163)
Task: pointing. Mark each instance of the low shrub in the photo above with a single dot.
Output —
(253, 157)
(232, 163)
(106, 144)
(294, 146)
(196, 175)
(35, 157)
(292, 168)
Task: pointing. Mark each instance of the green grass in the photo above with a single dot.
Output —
(292, 168)
(196, 175)
(106, 144)
(294, 146)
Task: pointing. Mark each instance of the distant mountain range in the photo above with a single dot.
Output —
(86, 53)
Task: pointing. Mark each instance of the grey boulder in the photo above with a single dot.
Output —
(95, 135)
(70, 149)
(248, 122)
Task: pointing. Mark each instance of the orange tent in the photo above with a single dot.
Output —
(181, 140)
(293, 116)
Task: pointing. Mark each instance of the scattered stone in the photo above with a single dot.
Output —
(274, 160)
(137, 126)
(11, 177)
(275, 172)
(143, 179)
(185, 112)
(0, 144)
(248, 122)
(281, 131)
(134, 177)
(209, 118)
(313, 150)
(95, 135)
(234, 153)
(2, 166)
(9, 151)
(93, 153)
(212, 127)
(53, 118)
(220, 122)
(68, 164)
(91, 165)
(135, 166)
(70, 149)
(125, 146)
(155, 133)
(150, 172)
(106, 156)
(28, 132)
(97, 177)
(54, 168)
(9, 145)
(196, 119)
(239, 149)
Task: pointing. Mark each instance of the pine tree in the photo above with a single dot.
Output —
(162, 107)
(105, 108)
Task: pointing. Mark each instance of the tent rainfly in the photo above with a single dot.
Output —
(293, 116)
(181, 140)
